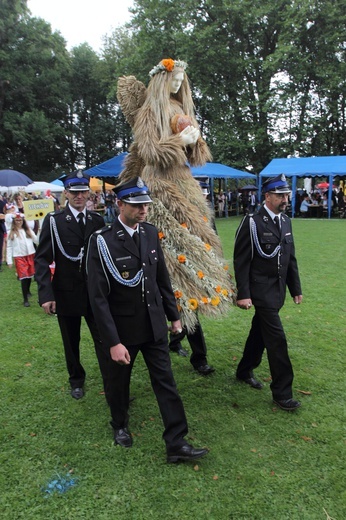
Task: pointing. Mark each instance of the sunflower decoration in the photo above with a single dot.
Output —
(193, 304)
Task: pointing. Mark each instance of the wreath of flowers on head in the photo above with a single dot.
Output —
(167, 66)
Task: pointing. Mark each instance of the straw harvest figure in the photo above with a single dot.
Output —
(166, 138)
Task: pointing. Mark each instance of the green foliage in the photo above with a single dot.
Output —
(263, 463)
(268, 81)
(35, 79)
(261, 72)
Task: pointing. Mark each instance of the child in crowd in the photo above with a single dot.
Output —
(20, 247)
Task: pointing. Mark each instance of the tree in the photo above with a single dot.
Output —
(248, 66)
(268, 81)
(312, 56)
(36, 66)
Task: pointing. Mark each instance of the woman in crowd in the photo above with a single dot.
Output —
(20, 248)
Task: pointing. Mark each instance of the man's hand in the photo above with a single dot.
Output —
(298, 299)
(49, 307)
(176, 327)
(120, 354)
(245, 304)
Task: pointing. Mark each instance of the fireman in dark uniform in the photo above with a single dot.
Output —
(63, 240)
(131, 296)
(264, 265)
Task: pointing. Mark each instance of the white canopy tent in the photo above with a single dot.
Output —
(40, 186)
(35, 187)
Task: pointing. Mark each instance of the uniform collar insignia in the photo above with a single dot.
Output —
(265, 218)
(68, 218)
(89, 217)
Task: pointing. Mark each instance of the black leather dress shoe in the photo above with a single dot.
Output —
(77, 393)
(205, 370)
(287, 404)
(179, 350)
(123, 438)
(252, 382)
(186, 453)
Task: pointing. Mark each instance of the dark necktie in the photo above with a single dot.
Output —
(135, 237)
(277, 223)
(81, 222)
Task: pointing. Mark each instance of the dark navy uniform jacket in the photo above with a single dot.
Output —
(130, 315)
(264, 280)
(69, 286)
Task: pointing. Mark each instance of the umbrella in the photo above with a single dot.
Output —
(13, 178)
(250, 187)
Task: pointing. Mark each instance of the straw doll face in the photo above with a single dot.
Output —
(176, 81)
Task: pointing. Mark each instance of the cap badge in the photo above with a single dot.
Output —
(79, 175)
(283, 178)
(140, 183)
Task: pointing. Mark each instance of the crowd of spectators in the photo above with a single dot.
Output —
(11, 204)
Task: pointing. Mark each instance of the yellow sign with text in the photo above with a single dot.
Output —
(37, 209)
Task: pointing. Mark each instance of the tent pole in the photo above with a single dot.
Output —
(293, 198)
(330, 189)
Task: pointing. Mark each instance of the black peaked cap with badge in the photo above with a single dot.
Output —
(77, 181)
(276, 185)
(133, 192)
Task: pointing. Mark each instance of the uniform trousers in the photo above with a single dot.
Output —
(197, 343)
(156, 357)
(70, 327)
(267, 332)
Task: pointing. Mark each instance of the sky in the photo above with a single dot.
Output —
(81, 21)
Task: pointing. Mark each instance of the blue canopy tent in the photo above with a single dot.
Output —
(221, 171)
(58, 182)
(108, 169)
(113, 167)
(329, 166)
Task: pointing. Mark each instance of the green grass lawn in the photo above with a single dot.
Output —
(264, 463)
